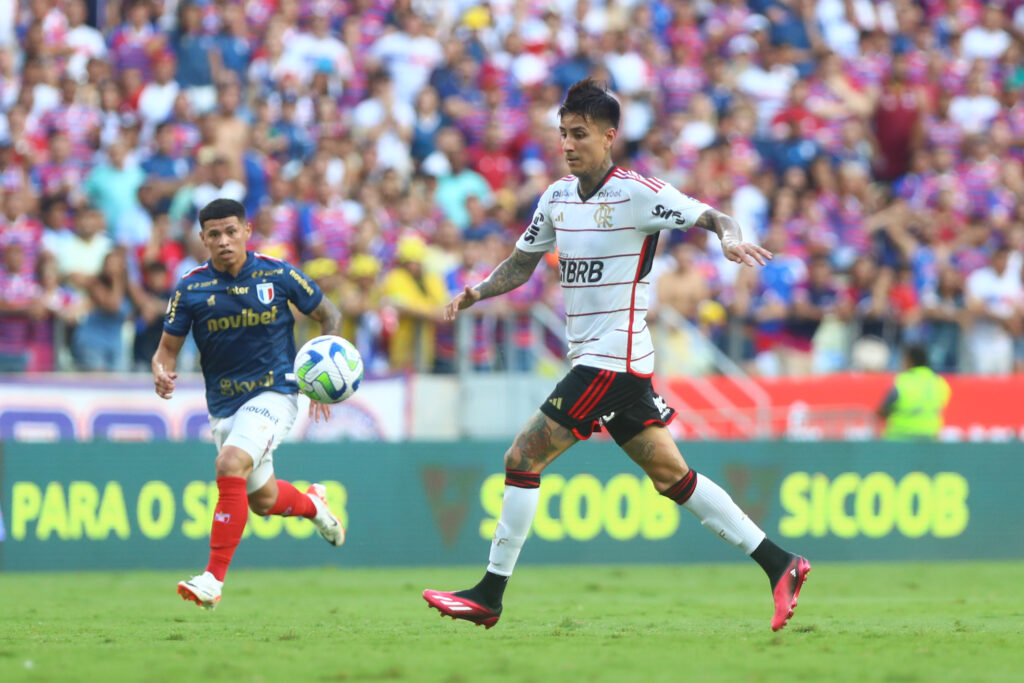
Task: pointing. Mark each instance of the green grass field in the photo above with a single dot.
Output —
(855, 622)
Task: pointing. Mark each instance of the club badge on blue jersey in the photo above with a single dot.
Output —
(265, 292)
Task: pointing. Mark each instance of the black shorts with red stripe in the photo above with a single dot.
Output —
(589, 399)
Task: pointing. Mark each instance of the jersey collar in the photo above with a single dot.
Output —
(597, 187)
(249, 259)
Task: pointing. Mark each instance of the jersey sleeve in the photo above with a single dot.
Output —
(301, 289)
(665, 208)
(178, 318)
(540, 234)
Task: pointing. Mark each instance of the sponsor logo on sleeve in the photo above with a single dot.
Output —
(661, 211)
(531, 232)
(302, 283)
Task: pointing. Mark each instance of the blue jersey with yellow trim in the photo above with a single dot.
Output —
(243, 327)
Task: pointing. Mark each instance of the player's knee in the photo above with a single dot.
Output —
(260, 503)
(233, 462)
(512, 458)
(517, 459)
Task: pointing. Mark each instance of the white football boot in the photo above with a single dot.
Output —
(204, 590)
(326, 523)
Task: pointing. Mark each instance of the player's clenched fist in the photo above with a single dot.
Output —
(464, 299)
(164, 382)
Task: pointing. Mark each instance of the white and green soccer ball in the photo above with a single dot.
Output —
(328, 369)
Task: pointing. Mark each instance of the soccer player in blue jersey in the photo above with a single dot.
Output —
(236, 305)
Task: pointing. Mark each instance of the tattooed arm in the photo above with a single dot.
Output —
(510, 273)
(328, 316)
(733, 246)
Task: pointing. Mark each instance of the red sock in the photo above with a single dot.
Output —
(292, 503)
(229, 520)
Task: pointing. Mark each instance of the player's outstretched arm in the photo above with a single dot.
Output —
(165, 361)
(328, 315)
(510, 273)
(733, 246)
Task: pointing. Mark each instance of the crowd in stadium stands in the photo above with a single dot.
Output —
(395, 150)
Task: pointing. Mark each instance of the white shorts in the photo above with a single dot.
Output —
(257, 428)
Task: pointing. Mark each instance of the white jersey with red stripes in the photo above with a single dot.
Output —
(605, 248)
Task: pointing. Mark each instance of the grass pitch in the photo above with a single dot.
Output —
(855, 622)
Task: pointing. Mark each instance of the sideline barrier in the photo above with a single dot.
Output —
(115, 505)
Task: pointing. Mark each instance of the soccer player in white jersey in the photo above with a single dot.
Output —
(236, 305)
(605, 220)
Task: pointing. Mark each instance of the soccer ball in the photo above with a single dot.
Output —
(328, 369)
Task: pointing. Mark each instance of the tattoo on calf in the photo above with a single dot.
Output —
(537, 444)
(642, 452)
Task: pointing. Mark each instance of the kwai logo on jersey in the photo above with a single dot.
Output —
(265, 292)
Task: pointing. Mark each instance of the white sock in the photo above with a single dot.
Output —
(716, 510)
(517, 509)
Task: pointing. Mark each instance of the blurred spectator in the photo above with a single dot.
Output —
(84, 42)
(360, 320)
(974, 109)
(234, 43)
(326, 226)
(63, 308)
(61, 177)
(17, 225)
(231, 135)
(944, 318)
(387, 121)
(198, 58)
(992, 293)
(97, 342)
(429, 119)
(774, 297)
(416, 298)
(80, 257)
(135, 42)
(112, 186)
(215, 181)
(474, 266)
(456, 182)
(156, 101)
(161, 249)
(409, 54)
(20, 305)
(898, 121)
(167, 168)
(683, 288)
(814, 299)
(989, 39)
(152, 303)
